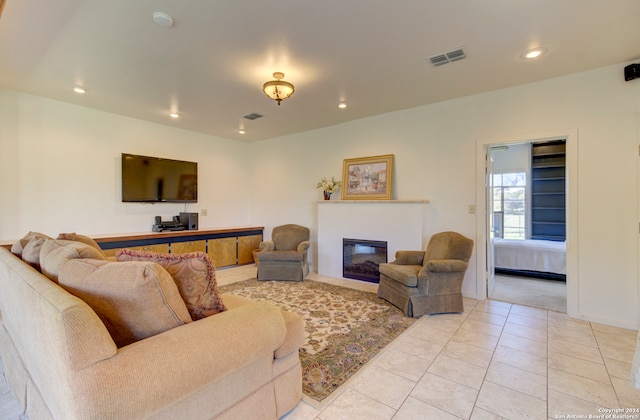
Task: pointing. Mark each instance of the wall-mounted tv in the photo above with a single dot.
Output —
(148, 179)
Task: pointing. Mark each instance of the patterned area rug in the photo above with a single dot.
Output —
(345, 327)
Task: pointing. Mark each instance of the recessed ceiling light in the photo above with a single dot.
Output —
(79, 89)
(241, 131)
(163, 19)
(174, 115)
(533, 53)
(342, 105)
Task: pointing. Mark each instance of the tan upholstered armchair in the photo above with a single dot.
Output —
(284, 257)
(428, 282)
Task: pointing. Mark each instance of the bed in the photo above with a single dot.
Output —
(531, 257)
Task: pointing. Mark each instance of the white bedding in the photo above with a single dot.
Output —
(531, 254)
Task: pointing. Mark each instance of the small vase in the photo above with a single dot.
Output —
(327, 195)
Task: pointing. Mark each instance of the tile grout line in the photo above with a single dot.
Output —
(493, 353)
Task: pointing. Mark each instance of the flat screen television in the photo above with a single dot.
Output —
(148, 179)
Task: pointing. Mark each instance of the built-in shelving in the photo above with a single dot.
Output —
(548, 190)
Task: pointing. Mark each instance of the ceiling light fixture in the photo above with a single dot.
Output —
(241, 131)
(533, 53)
(499, 148)
(163, 19)
(174, 115)
(342, 105)
(79, 89)
(278, 89)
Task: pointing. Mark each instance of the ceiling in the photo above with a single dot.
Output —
(372, 54)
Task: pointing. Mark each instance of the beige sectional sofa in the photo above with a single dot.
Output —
(61, 361)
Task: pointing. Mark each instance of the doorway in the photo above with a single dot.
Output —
(486, 223)
(527, 214)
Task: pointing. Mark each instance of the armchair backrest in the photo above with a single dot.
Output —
(449, 246)
(287, 237)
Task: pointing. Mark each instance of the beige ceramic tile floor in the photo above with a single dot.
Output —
(495, 361)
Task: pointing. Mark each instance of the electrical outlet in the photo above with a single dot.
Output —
(472, 209)
(203, 212)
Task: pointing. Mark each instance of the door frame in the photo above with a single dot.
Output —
(482, 265)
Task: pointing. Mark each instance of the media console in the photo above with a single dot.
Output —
(225, 246)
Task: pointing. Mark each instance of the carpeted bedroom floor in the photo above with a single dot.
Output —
(537, 293)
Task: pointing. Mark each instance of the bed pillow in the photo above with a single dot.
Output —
(80, 238)
(134, 300)
(194, 274)
(55, 252)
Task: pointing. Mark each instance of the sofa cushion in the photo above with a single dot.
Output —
(19, 245)
(194, 274)
(80, 238)
(135, 299)
(294, 337)
(403, 274)
(280, 256)
(55, 252)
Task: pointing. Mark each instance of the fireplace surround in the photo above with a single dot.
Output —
(402, 224)
(361, 258)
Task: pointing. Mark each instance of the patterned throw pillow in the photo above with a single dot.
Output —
(194, 274)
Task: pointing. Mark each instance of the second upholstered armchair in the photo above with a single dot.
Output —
(284, 257)
(428, 282)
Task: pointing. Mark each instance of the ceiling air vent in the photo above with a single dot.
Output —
(252, 116)
(456, 55)
(449, 57)
(439, 60)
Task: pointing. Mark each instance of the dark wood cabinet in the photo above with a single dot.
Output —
(226, 246)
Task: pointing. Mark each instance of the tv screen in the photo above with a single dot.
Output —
(148, 179)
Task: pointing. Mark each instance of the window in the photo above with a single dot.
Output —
(509, 192)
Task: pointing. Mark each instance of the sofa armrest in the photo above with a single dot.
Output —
(409, 258)
(294, 339)
(151, 374)
(446, 266)
(267, 246)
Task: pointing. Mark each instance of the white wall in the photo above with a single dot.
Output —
(435, 148)
(60, 172)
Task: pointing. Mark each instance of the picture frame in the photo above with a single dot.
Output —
(368, 178)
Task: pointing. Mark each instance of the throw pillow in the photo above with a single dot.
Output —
(54, 253)
(18, 246)
(80, 238)
(194, 274)
(31, 252)
(135, 300)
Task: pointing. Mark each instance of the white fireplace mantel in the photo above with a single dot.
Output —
(401, 223)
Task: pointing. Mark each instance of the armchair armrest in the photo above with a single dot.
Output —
(445, 266)
(409, 258)
(267, 246)
(303, 246)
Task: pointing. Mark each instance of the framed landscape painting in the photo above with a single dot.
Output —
(368, 178)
